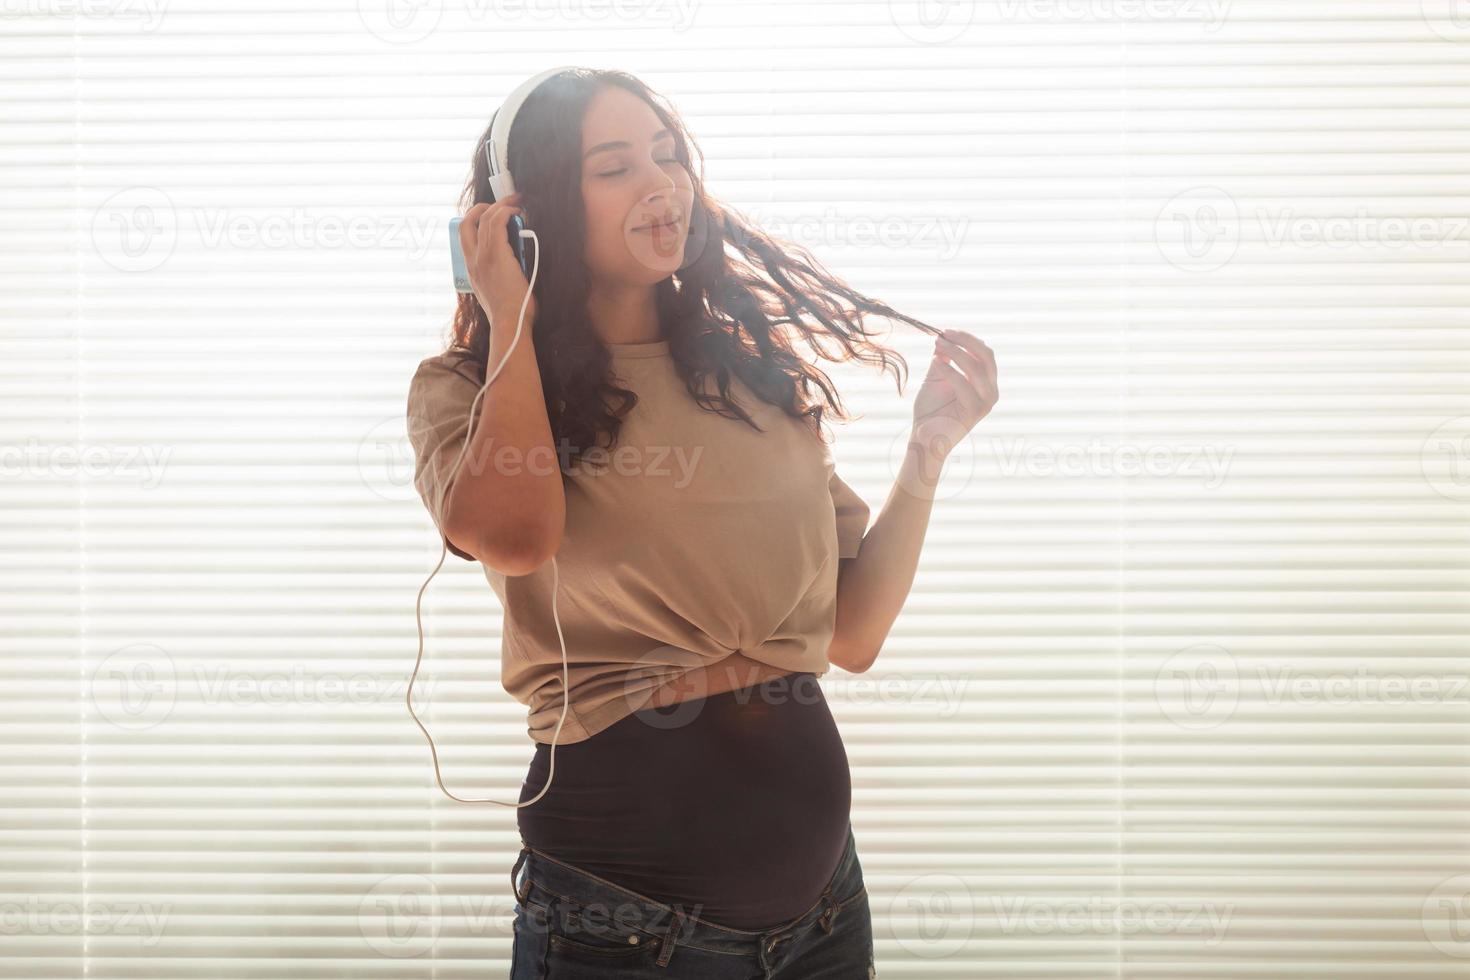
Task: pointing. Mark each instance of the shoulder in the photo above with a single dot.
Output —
(448, 371)
(456, 361)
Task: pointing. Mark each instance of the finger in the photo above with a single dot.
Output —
(965, 339)
(477, 214)
(983, 371)
(988, 394)
(488, 224)
(512, 201)
(963, 389)
(972, 344)
(955, 358)
(468, 235)
(987, 362)
(492, 226)
(934, 363)
(983, 383)
(973, 363)
(482, 208)
(482, 232)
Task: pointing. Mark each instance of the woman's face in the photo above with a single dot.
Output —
(632, 183)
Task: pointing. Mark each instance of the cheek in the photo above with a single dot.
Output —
(605, 217)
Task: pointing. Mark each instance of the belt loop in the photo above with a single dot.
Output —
(516, 889)
(668, 950)
(829, 913)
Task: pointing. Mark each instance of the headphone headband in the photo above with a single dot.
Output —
(496, 147)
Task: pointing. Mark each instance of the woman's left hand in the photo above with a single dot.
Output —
(959, 390)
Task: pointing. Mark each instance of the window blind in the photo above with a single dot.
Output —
(1180, 689)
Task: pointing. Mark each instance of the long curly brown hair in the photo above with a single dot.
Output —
(735, 306)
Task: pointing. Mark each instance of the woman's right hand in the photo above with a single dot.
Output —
(495, 275)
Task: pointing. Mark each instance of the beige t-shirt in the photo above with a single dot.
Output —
(693, 537)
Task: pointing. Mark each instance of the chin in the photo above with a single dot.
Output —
(650, 265)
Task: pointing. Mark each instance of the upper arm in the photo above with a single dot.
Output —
(852, 515)
(439, 399)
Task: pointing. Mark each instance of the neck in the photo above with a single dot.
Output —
(624, 314)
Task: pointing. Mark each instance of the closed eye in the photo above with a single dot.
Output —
(623, 170)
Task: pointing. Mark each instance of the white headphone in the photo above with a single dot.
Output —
(501, 187)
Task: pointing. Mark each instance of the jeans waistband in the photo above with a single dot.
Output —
(548, 881)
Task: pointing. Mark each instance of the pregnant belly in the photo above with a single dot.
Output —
(734, 805)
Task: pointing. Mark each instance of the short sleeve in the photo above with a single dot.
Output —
(852, 516)
(439, 398)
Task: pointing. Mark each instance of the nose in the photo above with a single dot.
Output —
(653, 205)
(660, 189)
(660, 179)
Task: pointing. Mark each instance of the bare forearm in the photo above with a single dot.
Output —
(873, 587)
(508, 493)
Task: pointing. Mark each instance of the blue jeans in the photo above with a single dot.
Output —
(572, 925)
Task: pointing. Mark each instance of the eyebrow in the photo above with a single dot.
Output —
(624, 144)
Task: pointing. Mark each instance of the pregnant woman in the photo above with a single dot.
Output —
(654, 432)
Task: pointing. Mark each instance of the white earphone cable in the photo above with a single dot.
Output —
(444, 551)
